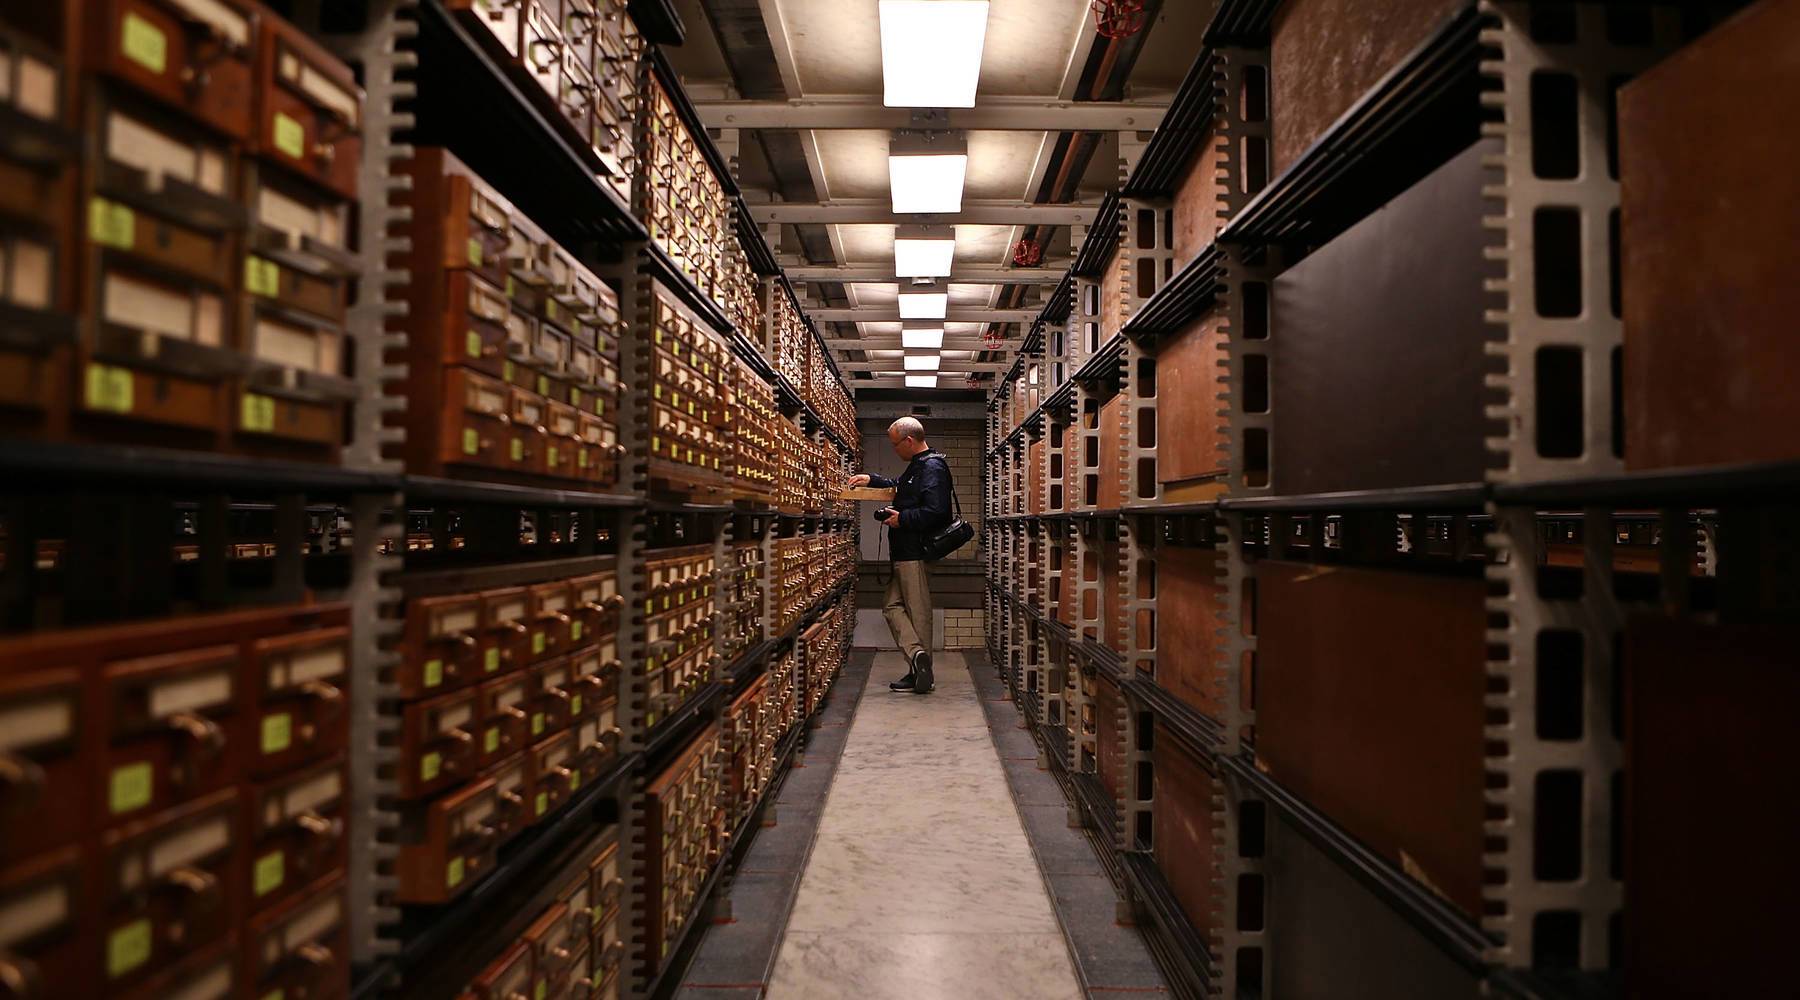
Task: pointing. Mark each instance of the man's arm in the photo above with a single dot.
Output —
(871, 479)
(933, 511)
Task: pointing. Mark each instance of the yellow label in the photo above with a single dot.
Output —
(575, 630)
(574, 780)
(518, 450)
(490, 660)
(600, 406)
(269, 873)
(575, 704)
(575, 398)
(128, 947)
(277, 732)
(506, 371)
(434, 673)
(471, 441)
(430, 765)
(649, 719)
(543, 987)
(453, 873)
(257, 413)
(290, 136)
(275, 995)
(475, 256)
(538, 641)
(550, 308)
(131, 787)
(581, 458)
(543, 802)
(472, 344)
(543, 386)
(108, 388)
(537, 723)
(143, 43)
(491, 741)
(262, 277)
(657, 390)
(509, 286)
(111, 225)
(553, 456)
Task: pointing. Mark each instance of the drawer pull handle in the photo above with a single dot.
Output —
(205, 733)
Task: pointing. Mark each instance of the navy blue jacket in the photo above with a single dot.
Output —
(922, 496)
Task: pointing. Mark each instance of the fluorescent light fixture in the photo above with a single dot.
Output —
(923, 362)
(921, 381)
(926, 170)
(931, 52)
(924, 251)
(923, 305)
(927, 336)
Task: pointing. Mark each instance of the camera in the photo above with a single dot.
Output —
(882, 514)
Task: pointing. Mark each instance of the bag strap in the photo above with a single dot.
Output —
(950, 478)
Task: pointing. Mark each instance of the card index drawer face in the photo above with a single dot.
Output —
(449, 843)
(504, 712)
(173, 730)
(310, 117)
(480, 431)
(552, 620)
(40, 926)
(555, 774)
(512, 789)
(553, 942)
(42, 764)
(298, 826)
(168, 887)
(299, 699)
(508, 978)
(438, 743)
(442, 651)
(596, 605)
(193, 55)
(304, 949)
(505, 617)
(498, 18)
(554, 692)
(1369, 690)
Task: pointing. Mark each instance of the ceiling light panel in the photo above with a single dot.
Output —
(923, 362)
(924, 251)
(924, 305)
(927, 183)
(928, 336)
(931, 52)
(921, 381)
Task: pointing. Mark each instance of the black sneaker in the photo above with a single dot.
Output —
(921, 675)
(903, 684)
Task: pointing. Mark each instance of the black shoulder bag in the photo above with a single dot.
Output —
(951, 536)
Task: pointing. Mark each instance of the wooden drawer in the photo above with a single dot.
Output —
(44, 937)
(192, 55)
(505, 618)
(500, 21)
(555, 774)
(44, 749)
(512, 788)
(506, 978)
(440, 743)
(503, 710)
(597, 736)
(596, 605)
(309, 109)
(298, 708)
(554, 690)
(553, 625)
(297, 245)
(443, 648)
(169, 886)
(1369, 706)
(554, 941)
(447, 844)
(174, 730)
(299, 829)
(303, 949)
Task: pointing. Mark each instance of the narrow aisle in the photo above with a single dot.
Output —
(921, 883)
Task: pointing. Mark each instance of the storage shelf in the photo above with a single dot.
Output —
(1180, 301)
(1450, 496)
(690, 118)
(1697, 486)
(434, 488)
(1445, 926)
(1183, 950)
(672, 277)
(1418, 115)
(1241, 22)
(1202, 736)
(45, 464)
(1102, 239)
(1162, 165)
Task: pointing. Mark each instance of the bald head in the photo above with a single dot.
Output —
(908, 437)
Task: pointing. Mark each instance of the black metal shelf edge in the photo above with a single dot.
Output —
(1201, 735)
(1443, 924)
(676, 280)
(1315, 190)
(1241, 22)
(1102, 239)
(659, 21)
(474, 491)
(1448, 496)
(1704, 485)
(756, 247)
(1171, 509)
(455, 924)
(1104, 363)
(673, 730)
(684, 108)
(1191, 960)
(1189, 118)
(1183, 299)
(50, 464)
(498, 130)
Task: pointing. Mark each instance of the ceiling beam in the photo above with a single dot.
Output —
(965, 274)
(879, 211)
(943, 366)
(891, 314)
(947, 382)
(892, 343)
(994, 114)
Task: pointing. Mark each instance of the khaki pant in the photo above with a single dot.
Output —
(908, 607)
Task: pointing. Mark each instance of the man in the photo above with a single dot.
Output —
(921, 506)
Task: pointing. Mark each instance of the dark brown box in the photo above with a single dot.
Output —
(554, 941)
(299, 832)
(194, 60)
(506, 978)
(55, 946)
(555, 774)
(447, 844)
(48, 748)
(168, 887)
(440, 743)
(1707, 219)
(1191, 446)
(505, 617)
(1182, 830)
(442, 647)
(1369, 688)
(1706, 726)
(503, 712)
(1190, 618)
(553, 691)
(1378, 345)
(298, 701)
(309, 109)
(303, 949)
(512, 790)
(1316, 77)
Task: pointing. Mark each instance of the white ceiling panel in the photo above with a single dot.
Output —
(837, 45)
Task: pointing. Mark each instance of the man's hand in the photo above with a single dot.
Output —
(892, 520)
(860, 479)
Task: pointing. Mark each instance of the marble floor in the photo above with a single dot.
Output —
(921, 883)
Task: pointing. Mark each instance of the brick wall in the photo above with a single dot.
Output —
(963, 629)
